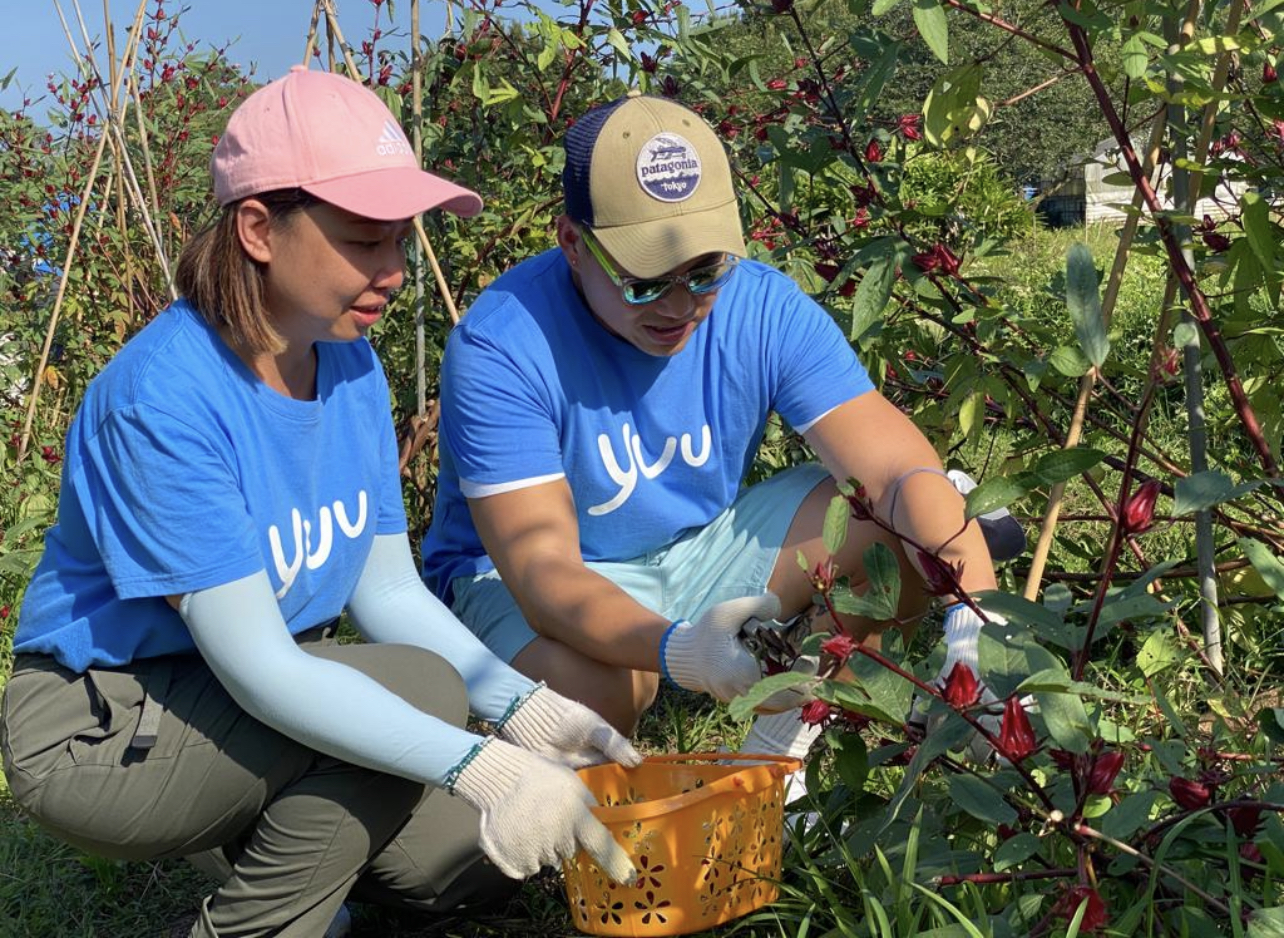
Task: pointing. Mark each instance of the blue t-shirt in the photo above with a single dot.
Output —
(184, 471)
(533, 388)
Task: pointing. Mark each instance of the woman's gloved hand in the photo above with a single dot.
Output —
(535, 813)
(551, 725)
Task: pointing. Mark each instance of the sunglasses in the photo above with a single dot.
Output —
(638, 291)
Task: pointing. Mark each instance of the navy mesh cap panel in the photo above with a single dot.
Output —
(579, 143)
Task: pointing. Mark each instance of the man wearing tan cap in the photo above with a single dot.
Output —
(601, 404)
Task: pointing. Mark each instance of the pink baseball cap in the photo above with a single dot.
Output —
(334, 139)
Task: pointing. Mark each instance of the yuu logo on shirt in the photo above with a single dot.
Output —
(314, 554)
(627, 479)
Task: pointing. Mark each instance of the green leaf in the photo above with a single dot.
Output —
(929, 17)
(981, 799)
(1158, 652)
(849, 604)
(1068, 360)
(1265, 563)
(1213, 45)
(1133, 56)
(1067, 720)
(741, 708)
(1119, 608)
(884, 576)
(872, 295)
(1008, 655)
(1206, 489)
(1271, 721)
(1258, 227)
(992, 494)
(1017, 610)
(1266, 923)
(619, 43)
(1063, 465)
(882, 7)
(1014, 851)
(1083, 297)
(837, 515)
(1128, 816)
(851, 758)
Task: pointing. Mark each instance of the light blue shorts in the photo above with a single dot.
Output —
(732, 556)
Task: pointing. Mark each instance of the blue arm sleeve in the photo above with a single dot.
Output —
(392, 604)
(323, 704)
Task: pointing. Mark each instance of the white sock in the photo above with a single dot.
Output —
(780, 734)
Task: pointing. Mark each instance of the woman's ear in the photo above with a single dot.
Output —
(254, 228)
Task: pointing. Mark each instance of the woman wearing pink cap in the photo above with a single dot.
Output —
(230, 487)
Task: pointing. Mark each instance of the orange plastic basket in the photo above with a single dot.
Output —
(705, 838)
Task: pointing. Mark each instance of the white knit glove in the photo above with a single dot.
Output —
(547, 723)
(709, 656)
(535, 813)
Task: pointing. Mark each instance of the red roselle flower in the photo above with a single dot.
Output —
(1216, 241)
(961, 689)
(815, 713)
(874, 152)
(938, 258)
(1139, 509)
(840, 646)
(1095, 915)
(1188, 794)
(1269, 74)
(1170, 361)
(1016, 735)
(907, 124)
(1105, 768)
(1245, 820)
(940, 576)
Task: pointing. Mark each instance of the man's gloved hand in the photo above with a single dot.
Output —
(962, 641)
(535, 813)
(547, 723)
(778, 647)
(709, 656)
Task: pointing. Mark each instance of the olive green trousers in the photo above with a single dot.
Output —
(156, 760)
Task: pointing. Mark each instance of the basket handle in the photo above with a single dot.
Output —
(786, 764)
(777, 767)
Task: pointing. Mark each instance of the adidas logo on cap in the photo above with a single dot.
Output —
(392, 142)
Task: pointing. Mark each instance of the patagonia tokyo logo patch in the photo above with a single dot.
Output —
(668, 168)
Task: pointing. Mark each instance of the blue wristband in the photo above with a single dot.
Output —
(664, 643)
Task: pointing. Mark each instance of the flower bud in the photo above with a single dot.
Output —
(1139, 509)
(1105, 768)
(1016, 736)
(961, 689)
(1188, 794)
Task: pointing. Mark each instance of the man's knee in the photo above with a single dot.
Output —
(619, 695)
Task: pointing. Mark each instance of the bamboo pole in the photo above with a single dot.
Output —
(1086, 384)
(417, 136)
(113, 120)
(312, 34)
(126, 60)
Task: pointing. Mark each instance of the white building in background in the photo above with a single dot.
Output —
(1093, 192)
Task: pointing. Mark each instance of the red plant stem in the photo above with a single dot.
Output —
(1185, 276)
(983, 879)
(1009, 28)
(1117, 533)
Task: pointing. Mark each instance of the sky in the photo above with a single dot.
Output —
(268, 33)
